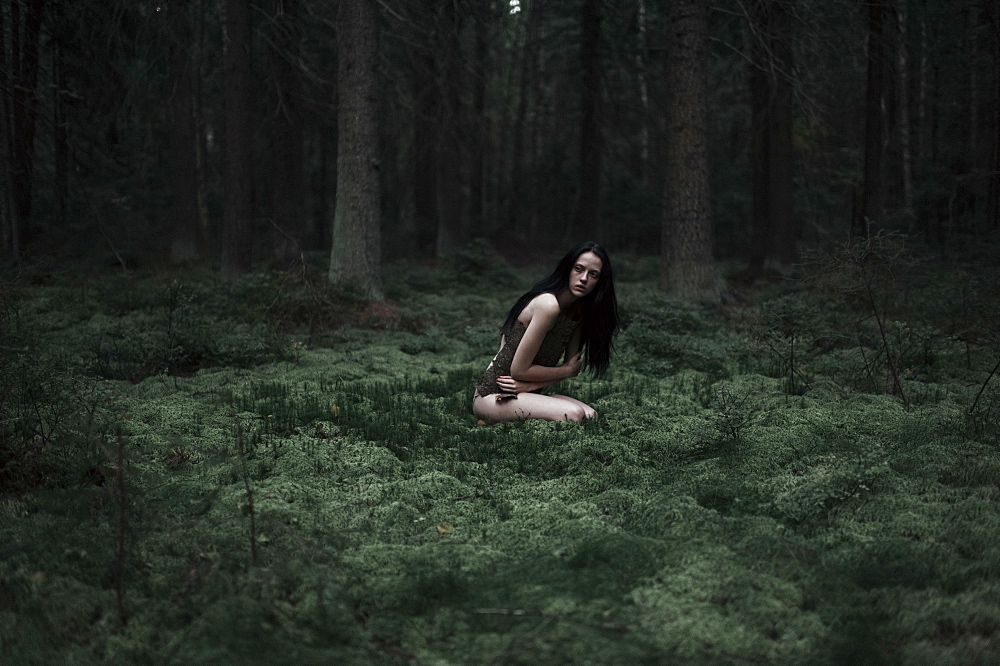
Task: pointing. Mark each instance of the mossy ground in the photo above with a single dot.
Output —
(753, 491)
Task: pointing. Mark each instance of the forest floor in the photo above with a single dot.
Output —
(207, 470)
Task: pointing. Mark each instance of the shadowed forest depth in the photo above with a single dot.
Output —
(254, 254)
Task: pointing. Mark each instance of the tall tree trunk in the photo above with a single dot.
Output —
(784, 226)
(906, 151)
(502, 173)
(237, 242)
(25, 103)
(775, 228)
(355, 259)
(973, 136)
(323, 181)
(922, 89)
(872, 193)
(521, 165)
(687, 268)
(477, 172)
(185, 242)
(286, 136)
(60, 142)
(450, 184)
(641, 61)
(426, 111)
(760, 99)
(200, 133)
(9, 228)
(587, 221)
(993, 192)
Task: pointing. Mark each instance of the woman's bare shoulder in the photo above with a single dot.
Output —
(544, 305)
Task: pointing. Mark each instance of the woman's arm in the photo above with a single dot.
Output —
(511, 385)
(544, 311)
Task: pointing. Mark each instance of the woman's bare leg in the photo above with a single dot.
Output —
(530, 406)
(588, 411)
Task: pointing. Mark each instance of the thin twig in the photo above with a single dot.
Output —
(983, 388)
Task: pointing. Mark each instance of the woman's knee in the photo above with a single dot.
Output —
(575, 413)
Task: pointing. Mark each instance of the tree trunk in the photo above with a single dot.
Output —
(515, 198)
(200, 134)
(477, 172)
(906, 151)
(922, 90)
(60, 143)
(775, 230)
(25, 103)
(760, 98)
(185, 242)
(450, 183)
(993, 193)
(425, 118)
(9, 238)
(355, 259)
(286, 133)
(641, 63)
(687, 268)
(784, 236)
(236, 226)
(587, 221)
(871, 207)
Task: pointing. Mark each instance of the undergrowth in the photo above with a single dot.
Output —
(257, 470)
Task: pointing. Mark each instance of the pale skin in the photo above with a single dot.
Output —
(539, 316)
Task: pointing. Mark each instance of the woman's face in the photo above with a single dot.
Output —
(584, 274)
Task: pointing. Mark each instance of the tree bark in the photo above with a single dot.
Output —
(477, 171)
(587, 221)
(236, 229)
(641, 65)
(784, 236)
(60, 141)
(872, 205)
(24, 109)
(9, 238)
(426, 110)
(355, 260)
(450, 185)
(200, 134)
(687, 268)
(517, 199)
(906, 151)
(775, 229)
(993, 193)
(286, 142)
(186, 244)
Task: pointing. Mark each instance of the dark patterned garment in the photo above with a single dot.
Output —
(549, 353)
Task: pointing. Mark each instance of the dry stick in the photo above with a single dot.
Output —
(983, 387)
(514, 642)
(249, 489)
(885, 345)
(117, 459)
(868, 366)
(122, 524)
(792, 370)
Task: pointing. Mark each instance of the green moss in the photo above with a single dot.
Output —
(722, 509)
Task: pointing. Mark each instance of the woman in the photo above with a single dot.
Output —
(571, 315)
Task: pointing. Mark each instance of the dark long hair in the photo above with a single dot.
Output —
(600, 307)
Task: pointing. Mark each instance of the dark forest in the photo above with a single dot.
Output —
(254, 254)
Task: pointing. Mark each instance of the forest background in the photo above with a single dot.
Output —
(255, 254)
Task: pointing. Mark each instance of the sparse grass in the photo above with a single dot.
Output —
(749, 493)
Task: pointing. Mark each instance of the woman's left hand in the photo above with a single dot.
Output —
(511, 385)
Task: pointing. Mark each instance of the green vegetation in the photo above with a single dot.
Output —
(206, 470)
